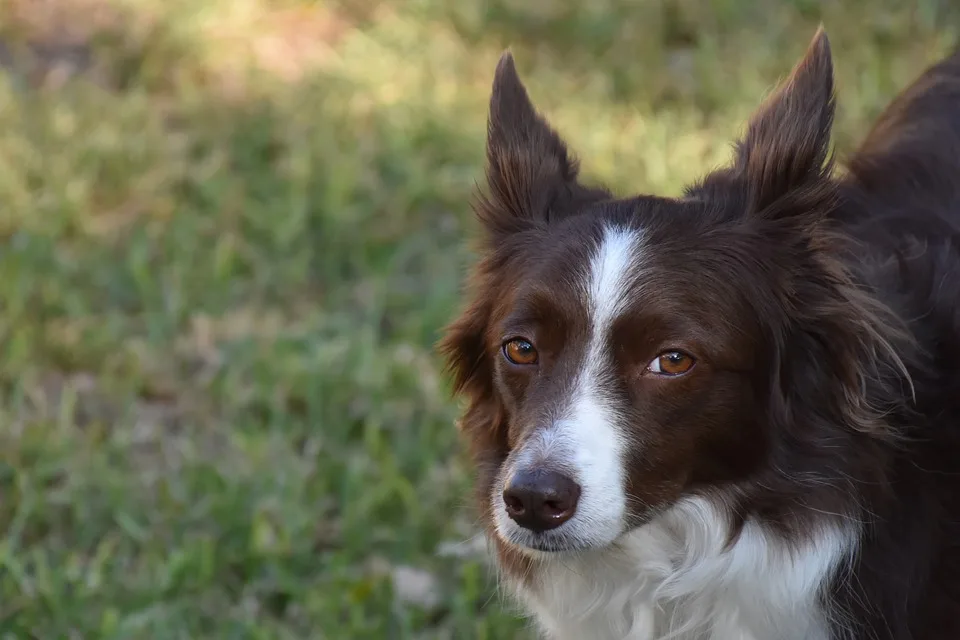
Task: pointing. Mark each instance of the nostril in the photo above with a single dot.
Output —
(554, 508)
(514, 504)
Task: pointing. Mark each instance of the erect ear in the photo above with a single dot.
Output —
(787, 140)
(530, 173)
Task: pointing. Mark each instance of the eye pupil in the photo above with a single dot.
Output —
(520, 351)
(673, 363)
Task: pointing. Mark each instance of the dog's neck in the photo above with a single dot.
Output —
(681, 577)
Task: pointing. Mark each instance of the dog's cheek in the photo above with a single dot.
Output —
(657, 470)
(666, 437)
(512, 388)
(710, 436)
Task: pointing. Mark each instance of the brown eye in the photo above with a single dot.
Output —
(520, 351)
(671, 363)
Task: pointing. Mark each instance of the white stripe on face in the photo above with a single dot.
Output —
(587, 439)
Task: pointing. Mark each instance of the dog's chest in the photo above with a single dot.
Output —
(574, 607)
(686, 584)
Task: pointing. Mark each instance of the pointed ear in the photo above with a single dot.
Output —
(531, 175)
(787, 140)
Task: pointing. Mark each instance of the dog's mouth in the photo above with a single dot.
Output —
(531, 543)
(570, 537)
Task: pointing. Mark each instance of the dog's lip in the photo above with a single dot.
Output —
(545, 548)
(540, 544)
(541, 551)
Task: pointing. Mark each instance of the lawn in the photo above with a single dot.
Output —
(230, 232)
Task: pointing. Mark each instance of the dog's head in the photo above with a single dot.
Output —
(618, 354)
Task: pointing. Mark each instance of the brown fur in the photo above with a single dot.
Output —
(825, 312)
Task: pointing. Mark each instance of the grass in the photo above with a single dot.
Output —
(231, 230)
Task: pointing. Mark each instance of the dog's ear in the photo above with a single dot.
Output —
(787, 140)
(531, 176)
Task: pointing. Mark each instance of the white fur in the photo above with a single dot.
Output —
(674, 578)
(585, 440)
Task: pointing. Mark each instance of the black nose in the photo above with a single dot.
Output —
(540, 500)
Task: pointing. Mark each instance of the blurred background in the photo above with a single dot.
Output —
(230, 231)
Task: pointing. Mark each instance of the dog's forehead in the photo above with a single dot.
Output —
(655, 218)
(606, 240)
(644, 255)
(587, 266)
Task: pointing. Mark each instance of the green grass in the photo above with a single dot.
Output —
(224, 263)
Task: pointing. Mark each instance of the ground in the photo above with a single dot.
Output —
(231, 231)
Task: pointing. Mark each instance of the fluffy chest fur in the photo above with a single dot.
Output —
(678, 578)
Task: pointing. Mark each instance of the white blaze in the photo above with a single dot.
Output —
(586, 439)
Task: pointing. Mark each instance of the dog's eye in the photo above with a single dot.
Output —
(520, 351)
(671, 363)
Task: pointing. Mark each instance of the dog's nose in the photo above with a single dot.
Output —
(540, 500)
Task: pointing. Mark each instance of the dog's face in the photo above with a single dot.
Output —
(623, 350)
(620, 353)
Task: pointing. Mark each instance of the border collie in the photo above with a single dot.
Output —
(733, 414)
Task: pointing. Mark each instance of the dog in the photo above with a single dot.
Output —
(731, 415)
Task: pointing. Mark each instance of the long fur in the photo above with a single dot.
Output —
(802, 481)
